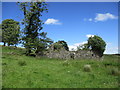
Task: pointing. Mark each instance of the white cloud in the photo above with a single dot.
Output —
(74, 46)
(104, 17)
(89, 35)
(52, 21)
(90, 19)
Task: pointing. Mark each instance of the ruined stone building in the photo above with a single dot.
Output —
(64, 54)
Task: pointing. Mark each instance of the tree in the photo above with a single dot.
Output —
(60, 44)
(33, 24)
(97, 45)
(0, 33)
(10, 32)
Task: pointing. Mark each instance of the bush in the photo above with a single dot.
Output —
(114, 71)
(22, 63)
(87, 68)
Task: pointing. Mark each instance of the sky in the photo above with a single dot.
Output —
(75, 22)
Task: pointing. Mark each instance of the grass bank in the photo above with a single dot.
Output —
(20, 71)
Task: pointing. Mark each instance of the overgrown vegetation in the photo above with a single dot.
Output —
(55, 73)
(57, 46)
(97, 45)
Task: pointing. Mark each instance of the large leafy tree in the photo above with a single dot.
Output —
(33, 25)
(10, 32)
(0, 33)
(97, 45)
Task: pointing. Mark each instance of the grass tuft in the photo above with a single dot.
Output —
(114, 71)
(22, 63)
(87, 68)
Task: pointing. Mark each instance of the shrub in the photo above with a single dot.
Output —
(114, 71)
(87, 68)
(22, 63)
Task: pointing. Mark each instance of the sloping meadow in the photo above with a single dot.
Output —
(20, 71)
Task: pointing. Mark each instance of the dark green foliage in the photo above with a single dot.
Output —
(57, 46)
(34, 40)
(60, 44)
(0, 33)
(97, 45)
(43, 43)
(10, 32)
(64, 44)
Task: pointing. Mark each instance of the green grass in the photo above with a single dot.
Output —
(20, 71)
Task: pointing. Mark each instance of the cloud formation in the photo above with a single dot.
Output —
(90, 19)
(102, 17)
(74, 46)
(52, 21)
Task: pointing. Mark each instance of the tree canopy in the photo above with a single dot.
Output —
(10, 31)
(97, 45)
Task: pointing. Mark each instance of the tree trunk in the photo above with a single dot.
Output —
(8, 44)
(29, 51)
(4, 43)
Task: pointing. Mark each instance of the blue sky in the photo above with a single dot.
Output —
(74, 22)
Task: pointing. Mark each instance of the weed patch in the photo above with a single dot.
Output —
(22, 63)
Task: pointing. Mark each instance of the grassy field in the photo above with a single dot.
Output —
(20, 71)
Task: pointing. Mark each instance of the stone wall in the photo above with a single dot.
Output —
(63, 54)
